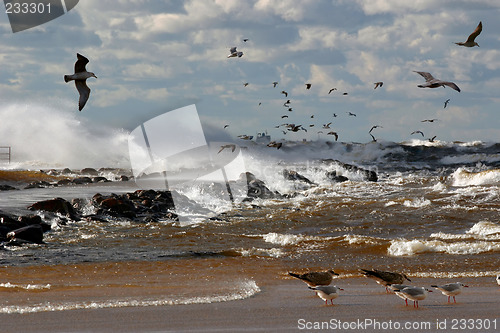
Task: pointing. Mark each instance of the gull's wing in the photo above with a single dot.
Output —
(475, 33)
(427, 76)
(233, 49)
(80, 63)
(452, 85)
(84, 91)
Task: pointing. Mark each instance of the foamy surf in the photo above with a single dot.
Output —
(241, 291)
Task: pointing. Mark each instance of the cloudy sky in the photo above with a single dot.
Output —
(154, 56)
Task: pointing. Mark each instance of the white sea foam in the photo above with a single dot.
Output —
(462, 177)
(485, 228)
(9, 285)
(243, 290)
(361, 239)
(417, 203)
(283, 239)
(403, 247)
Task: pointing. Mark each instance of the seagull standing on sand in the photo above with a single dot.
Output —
(327, 293)
(314, 279)
(385, 278)
(470, 41)
(413, 293)
(431, 82)
(233, 53)
(451, 289)
(81, 75)
(395, 287)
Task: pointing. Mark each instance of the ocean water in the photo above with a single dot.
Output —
(434, 212)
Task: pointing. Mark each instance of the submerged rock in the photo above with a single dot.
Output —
(368, 175)
(56, 205)
(32, 233)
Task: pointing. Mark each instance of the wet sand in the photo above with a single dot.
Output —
(285, 304)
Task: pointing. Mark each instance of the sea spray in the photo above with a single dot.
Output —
(44, 136)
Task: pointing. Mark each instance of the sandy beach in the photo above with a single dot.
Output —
(287, 305)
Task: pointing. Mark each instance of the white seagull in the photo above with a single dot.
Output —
(233, 53)
(413, 293)
(327, 293)
(431, 82)
(81, 75)
(451, 289)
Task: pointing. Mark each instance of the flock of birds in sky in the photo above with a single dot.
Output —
(81, 75)
(392, 281)
(430, 82)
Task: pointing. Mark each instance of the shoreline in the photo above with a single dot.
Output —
(286, 305)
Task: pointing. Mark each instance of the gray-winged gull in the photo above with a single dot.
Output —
(470, 41)
(327, 292)
(385, 278)
(413, 293)
(233, 53)
(450, 289)
(80, 77)
(431, 82)
(316, 278)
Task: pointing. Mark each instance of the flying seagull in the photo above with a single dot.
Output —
(327, 125)
(373, 138)
(373, 127)
(431, 82)
(428, 120)
(245, 137)
(308, 86)
(226, 126)
(334, 134)
(446, 103)
(246, 40)
(274, 144)
(331, 90)
(81, 75)
(284, 93)
(378, 84)
(286, 103)
(245, 84)
(275, 83)
(432, 139)
(470, 41)
(351, 114)
(417, 132)
(228, 146)
(314, 279)
(345, 94)
(233, 53)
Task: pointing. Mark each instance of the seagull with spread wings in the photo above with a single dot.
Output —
(431, 82)
(80, 76)
(470, 41)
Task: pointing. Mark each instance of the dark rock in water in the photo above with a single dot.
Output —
(257, 188)
(31, 233)
(332, 175)
(64, 182)
(66, 171)
(82, 180)
(34, 219)
(56, 205)
(100, 180)
(294, 175)
(124, 178)
(89, 171)
(368, 175)
(118, 206)
(7, 188)
(39, 184)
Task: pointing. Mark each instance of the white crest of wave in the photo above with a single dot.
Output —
(47, 136)
(283, 239)
(242, 290)
(417, 203)
(25, 286)
(485, 228)
(403, 247)
(462, 177)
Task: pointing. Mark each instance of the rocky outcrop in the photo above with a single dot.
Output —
(368, 175)
(56, 205)
(295, 176)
